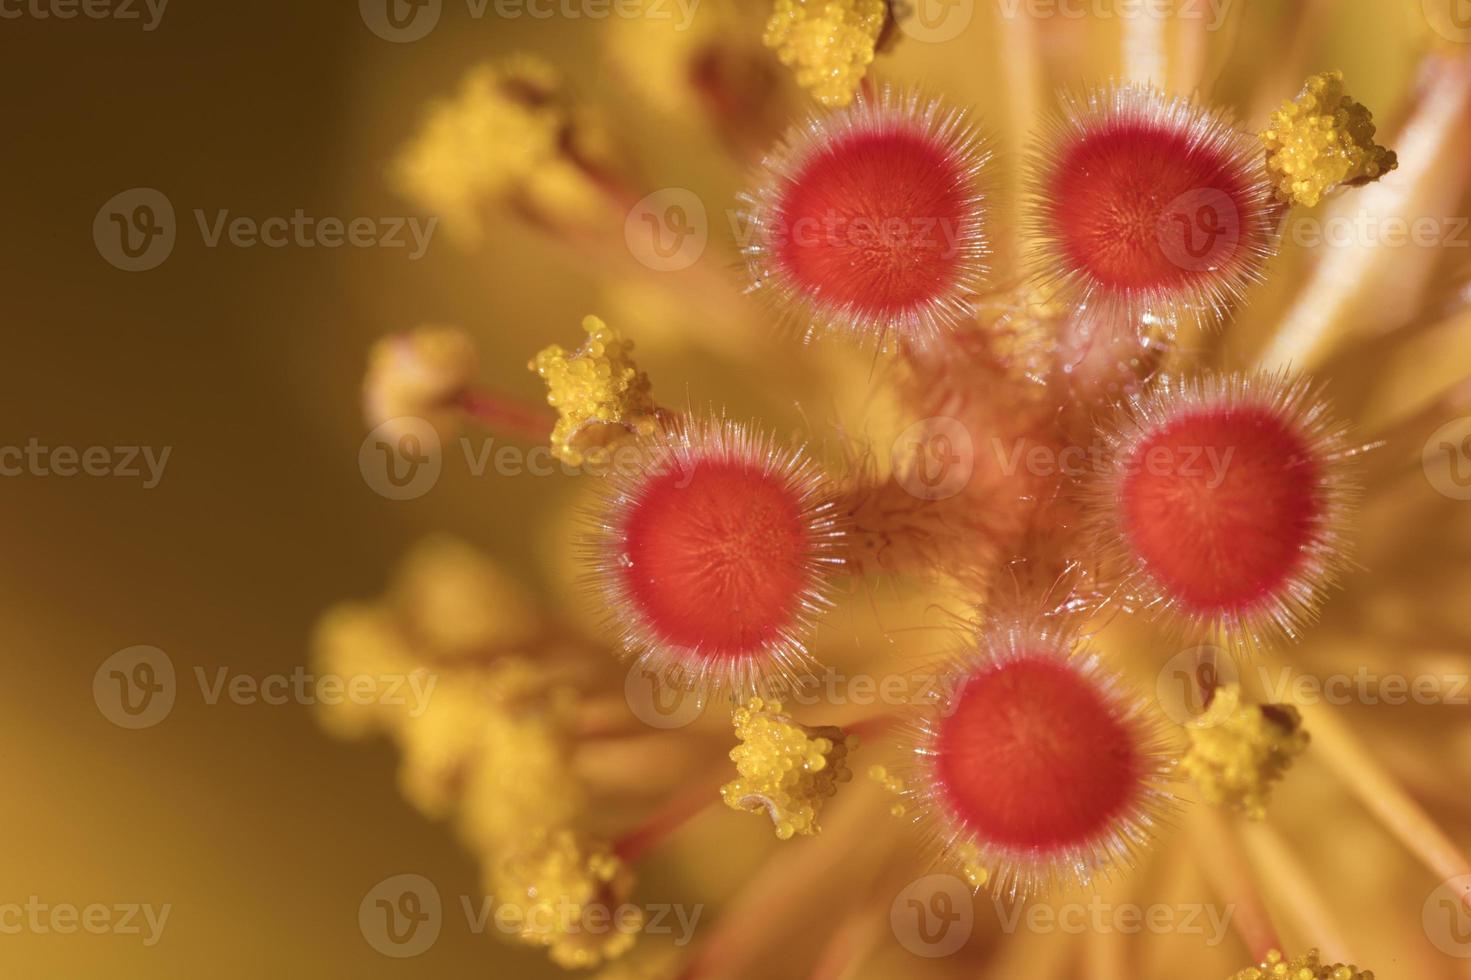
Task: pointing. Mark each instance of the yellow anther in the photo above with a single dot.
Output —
(828, 43)
(788, 770)
(418, 374)
(566, 891)
(1237, 751)
(600, 395)
(1305, 967)
(1322, 139)
(508, 137)
(458, 603)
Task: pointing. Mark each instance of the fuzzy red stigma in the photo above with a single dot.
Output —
(716, 557)
(869, 221)
(1150, 208)
(1034, 756)
(1221, 504)
(1224, 497)
(713, 556)
(1036, 767)
(1140, 207)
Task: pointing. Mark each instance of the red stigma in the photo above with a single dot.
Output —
(872, 222)
(1149, 208)
(867, 221)
(1034, 755)
(717, 557)
(1220, 506)
(1140, 207)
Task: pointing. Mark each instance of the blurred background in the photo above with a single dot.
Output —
(260, 833)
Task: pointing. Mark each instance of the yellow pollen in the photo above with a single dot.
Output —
(828, 43)
(1305, 967)
(566, 891)
(508, 137)
(1237, 751)
(1320, 140)
(788, 770)
(599, 393)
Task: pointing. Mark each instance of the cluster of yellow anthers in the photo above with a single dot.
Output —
(418, 374)
(1304, 967)
(828, 43)
(1320, 140)
(788, 770)
(484, 726)
(509, 137)
(548, 884)
(1238, 750)
(600, 395)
